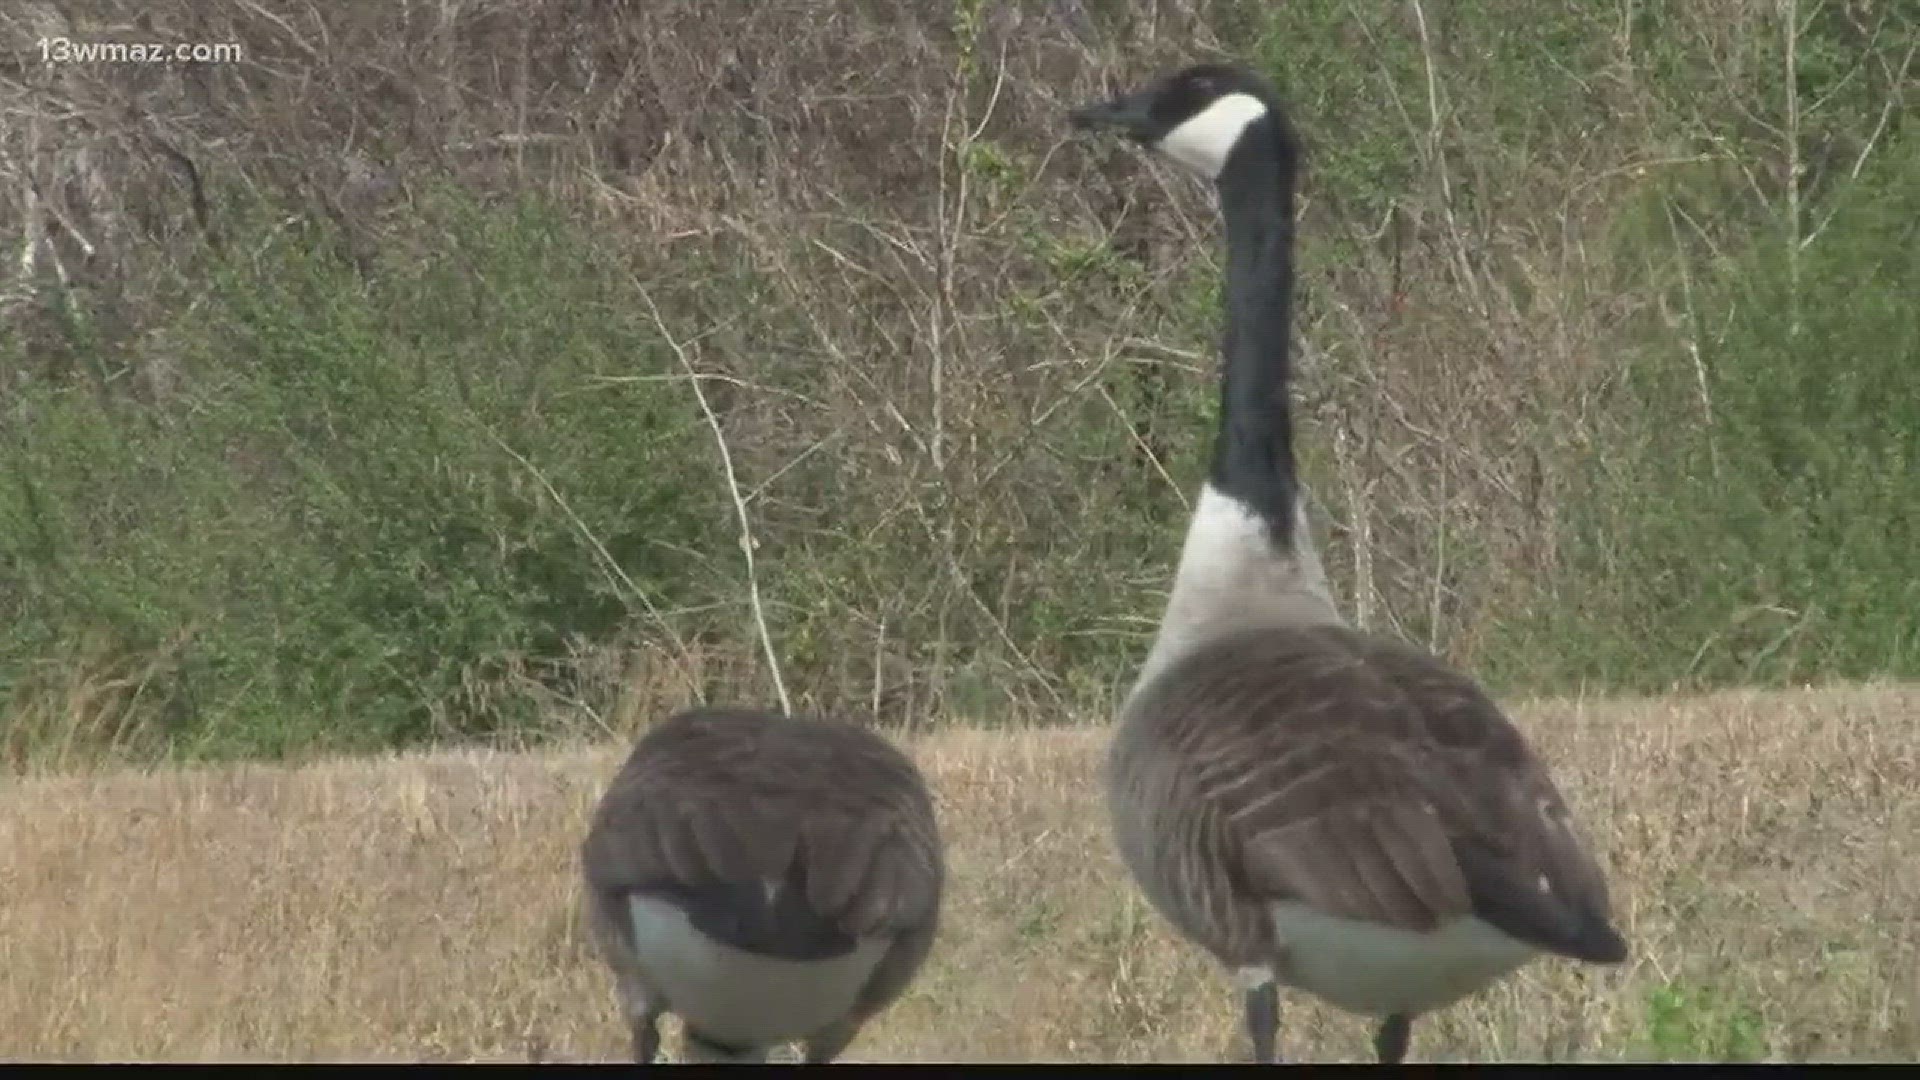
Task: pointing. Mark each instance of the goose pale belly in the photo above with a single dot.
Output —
(742, 998)
(1380, 970)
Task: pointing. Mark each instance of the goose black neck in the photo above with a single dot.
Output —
(1253, 449)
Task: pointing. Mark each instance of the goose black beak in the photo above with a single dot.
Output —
(1126, 115)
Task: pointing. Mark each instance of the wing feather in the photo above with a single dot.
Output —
(723, 841)
(681, 858)
(1369, 781)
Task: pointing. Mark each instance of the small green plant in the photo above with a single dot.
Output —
(1689, 1022)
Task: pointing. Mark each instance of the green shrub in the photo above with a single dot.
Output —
(350, 509)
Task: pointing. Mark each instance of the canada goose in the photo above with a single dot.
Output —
(1314, 806)
(766, 878)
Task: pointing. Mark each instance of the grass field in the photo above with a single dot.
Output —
(1764, 849)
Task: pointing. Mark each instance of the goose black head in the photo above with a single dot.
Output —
(1196, 116)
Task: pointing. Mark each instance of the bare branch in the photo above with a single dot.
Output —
(1791, 56)
(1436, 135)
(747, 542)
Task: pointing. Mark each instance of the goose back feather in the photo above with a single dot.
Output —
(802, 854)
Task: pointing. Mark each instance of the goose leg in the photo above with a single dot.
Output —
(1391, 1042)
(646, 1037)
(823, 1047)
(643, 1019)
(1263, 1021)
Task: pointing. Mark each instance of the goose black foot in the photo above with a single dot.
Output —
(827, 1045)
(1391, 1043)
(646, 1038)
(1263, 1021)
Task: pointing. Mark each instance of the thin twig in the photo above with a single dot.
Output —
(1791, 55)
(1701, 382)
(733, 489)
(705, 376)
(1141, 443)
(782, 470)
(1873, 140)
(1436, 134)
(611, 567)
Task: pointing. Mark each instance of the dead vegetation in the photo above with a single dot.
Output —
(1765, 850)
(957, 360)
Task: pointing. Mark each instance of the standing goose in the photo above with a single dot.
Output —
(765, 878)
(1314, 806)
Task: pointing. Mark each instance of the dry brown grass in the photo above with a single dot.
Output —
(1764, 849)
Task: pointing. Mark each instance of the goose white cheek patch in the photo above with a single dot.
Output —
(1203, 142)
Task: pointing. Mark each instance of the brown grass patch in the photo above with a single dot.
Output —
(1764, 851)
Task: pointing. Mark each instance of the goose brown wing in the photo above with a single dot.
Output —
(706, 807)
(1370, 782)
(876, 873)
(881, 875)
(657, 840)
(1528, 869)
(1349, 835)
(683, 812)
